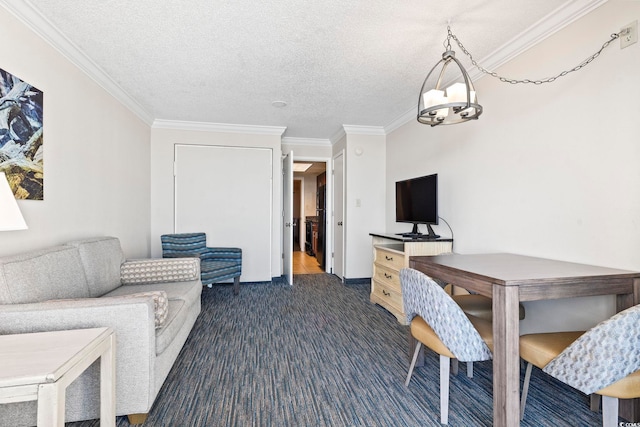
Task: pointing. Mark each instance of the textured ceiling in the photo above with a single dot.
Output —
(334, 62)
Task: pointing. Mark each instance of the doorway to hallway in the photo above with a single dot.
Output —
(309, 218)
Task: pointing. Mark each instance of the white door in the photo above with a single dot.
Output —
(287, 209)
(338, 215)
(226, 192)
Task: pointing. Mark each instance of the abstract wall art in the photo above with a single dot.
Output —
(21, 149)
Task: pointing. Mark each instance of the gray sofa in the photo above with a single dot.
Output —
(86, 284)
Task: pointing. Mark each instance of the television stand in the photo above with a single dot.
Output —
(411, 235)
(416, 234)
(391, 253)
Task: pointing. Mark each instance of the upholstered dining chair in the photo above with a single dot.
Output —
(437, 322)
(604, 360)
(477, 306)
(216, 264)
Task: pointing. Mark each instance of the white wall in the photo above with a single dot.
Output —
(364, 199)
(162, 200)
(551, 170)
(319, 150)
(96, 154)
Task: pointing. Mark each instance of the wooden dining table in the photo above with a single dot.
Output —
(509, 279)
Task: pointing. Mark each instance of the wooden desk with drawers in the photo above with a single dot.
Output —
(390, 254)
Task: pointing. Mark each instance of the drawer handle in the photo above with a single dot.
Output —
(388, 276)
(385, 293)
(388, 258)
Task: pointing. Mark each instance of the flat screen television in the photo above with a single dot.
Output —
(417, 203)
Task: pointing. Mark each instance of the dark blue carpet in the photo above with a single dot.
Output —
(320, 354)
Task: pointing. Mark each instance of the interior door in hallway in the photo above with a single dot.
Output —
(287, 209)
(226, 192)
(338, 215)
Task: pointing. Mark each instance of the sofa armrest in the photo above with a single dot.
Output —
(119, 313)
(132, 319)
(221, 254)
(141, 271)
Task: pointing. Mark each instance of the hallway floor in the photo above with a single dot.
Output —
(305, 264)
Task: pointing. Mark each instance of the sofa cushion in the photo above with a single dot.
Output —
(151, 271)
(101, 258)
(42, 275)
(183, 297)
(178, 313)
(187, 291)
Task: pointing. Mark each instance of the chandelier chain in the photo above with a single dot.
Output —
(584, 63)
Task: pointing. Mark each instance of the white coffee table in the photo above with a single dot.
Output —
(40, 366)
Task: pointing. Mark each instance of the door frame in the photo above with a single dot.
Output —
(333, 196)
(287, 217)
(328, 233)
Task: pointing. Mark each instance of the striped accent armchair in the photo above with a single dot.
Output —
(216, 264)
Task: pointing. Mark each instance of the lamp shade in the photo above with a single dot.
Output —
(457, 92)
(10, 216)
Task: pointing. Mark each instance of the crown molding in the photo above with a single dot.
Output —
(364, 130)
(24, 11)
(337, 136)
(544, 28)
(218, 127)
(306, 141)
(403, 119)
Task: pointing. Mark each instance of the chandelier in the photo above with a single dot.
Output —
(458, 102)
(447, 106)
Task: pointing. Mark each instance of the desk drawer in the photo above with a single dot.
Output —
(390, 278)
(387, 296)
(389, 259)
